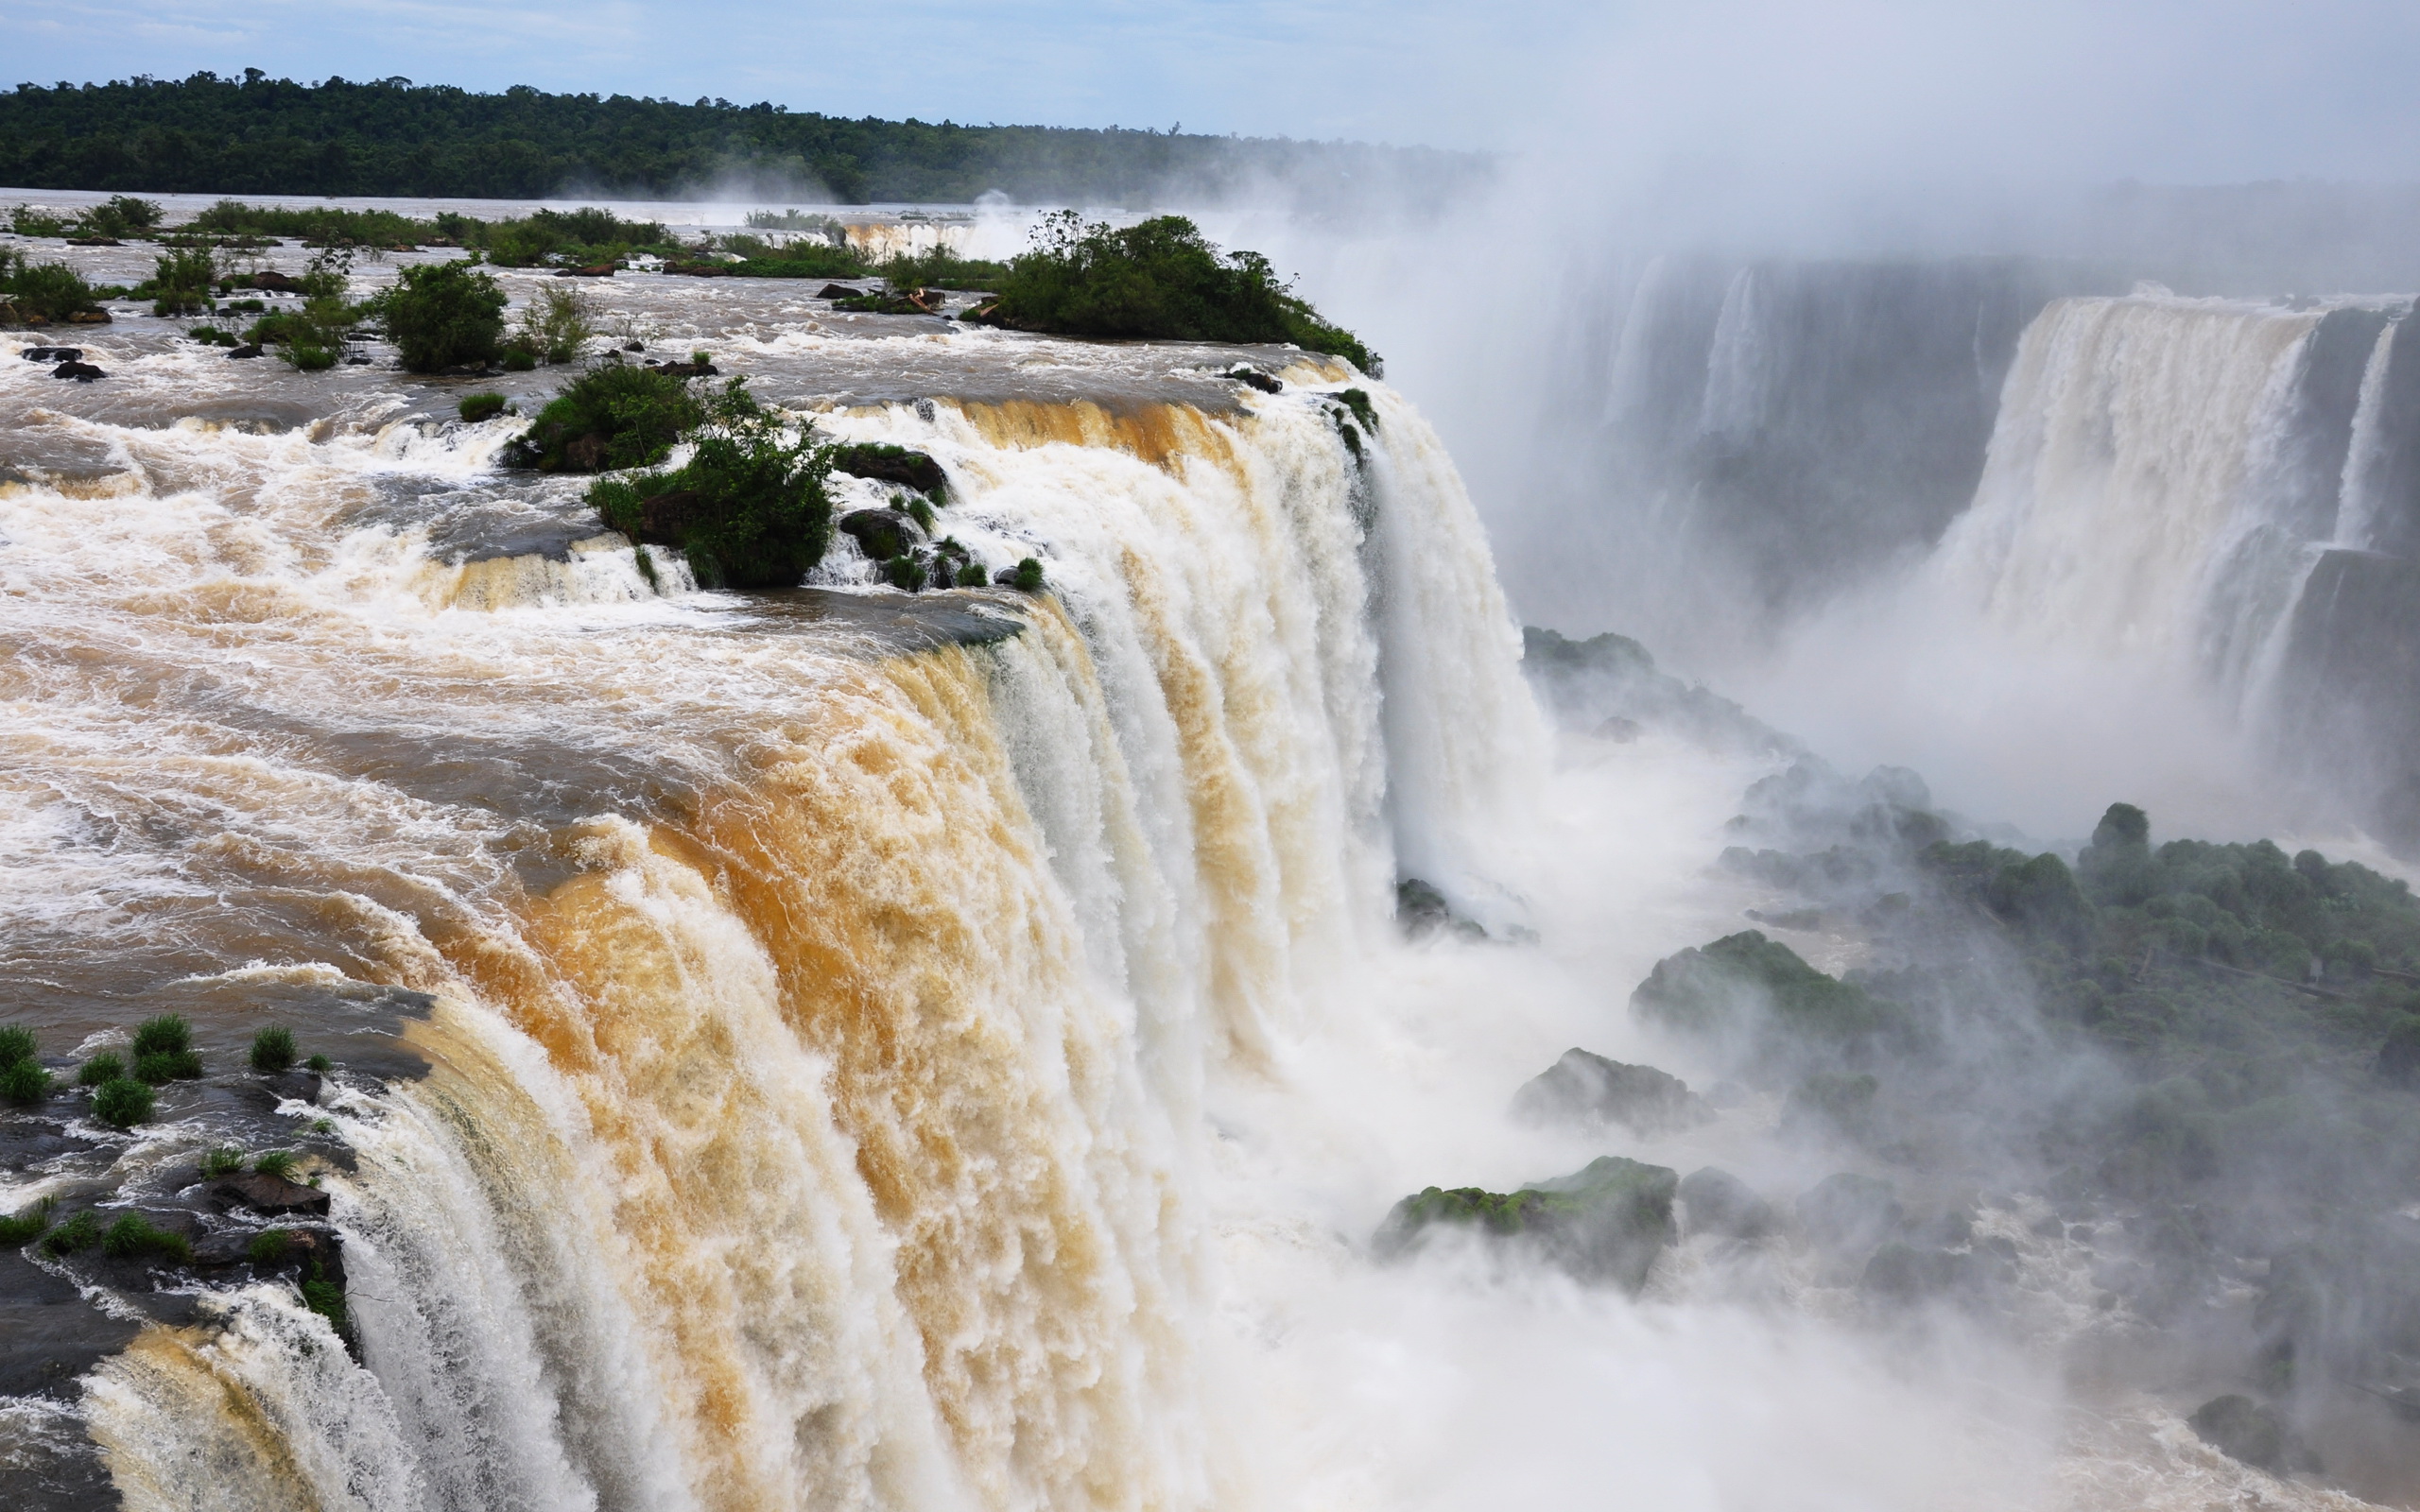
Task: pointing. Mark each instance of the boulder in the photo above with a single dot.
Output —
(881, 534)
(1900, 1272)
(1254, 378)
(1420, 908)
(836, 291)
(263, 1192)
(1713, 1201)
(1583, 1087)
(1603, 1224)
(94, 241)
(82, 373)
(1848, 1211)
(2244, 1429)
(53, 354)
(93, 316)
(273, 282)
(891, 464)
(684, 369)
(584, 453)
(248, 350)
(594, 271)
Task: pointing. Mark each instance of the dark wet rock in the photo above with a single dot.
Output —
(1420, 908)
(881, 534)
(2244, 1429)
(49, 1334)
(1586, 1087)
(891, 464)
(269, 281)
(836, 291)
(266, 1093)
(684, 369)
(82, 373)
(245, 352)
(633, 346)
(93, 317)
(1604, 1224)
(263, 1192)
(1254, 378)
(1901, 1272)
(1847, 1212)
(53, 354)
(592, 270)
(1713, 1201)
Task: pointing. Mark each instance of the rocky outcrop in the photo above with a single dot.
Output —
(1587, 1088)
(881, 534)
(2243, 1429)
(82, 373)
(263, 1193)
(1604, 1224)
(1713, 1201)
(891, 464)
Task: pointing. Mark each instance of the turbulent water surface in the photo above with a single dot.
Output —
(842, 1048)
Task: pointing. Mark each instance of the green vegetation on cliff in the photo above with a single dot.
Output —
(748, 509)
(1606, 1222)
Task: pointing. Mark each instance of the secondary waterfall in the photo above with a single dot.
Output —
(817, 1027)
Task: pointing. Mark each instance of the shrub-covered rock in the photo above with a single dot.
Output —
(443, 315)
(123, 1103)
(614, 416)
(1605, 1222)
(1745, 988)
(1158, 278)
(1583, 1087)
(891, 464)
(747, 511)
(881, 534)
(1714, 1201)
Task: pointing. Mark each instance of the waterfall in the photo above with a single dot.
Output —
(819, 1027)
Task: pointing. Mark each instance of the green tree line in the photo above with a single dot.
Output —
(206, 134)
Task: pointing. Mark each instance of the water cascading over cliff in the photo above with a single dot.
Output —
(817, 1016)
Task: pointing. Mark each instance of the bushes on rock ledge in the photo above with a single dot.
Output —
(1160, 278)
(749, 509)
(41, 293)
(614, 416)
(443, 315)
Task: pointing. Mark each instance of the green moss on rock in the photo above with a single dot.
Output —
(1604, 1224)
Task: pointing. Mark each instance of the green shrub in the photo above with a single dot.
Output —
(271, 1246)
(123, 1103)
(166, 1033)
(133, 1236)
(1028, 576)
(27, 1225)
(82, 1231)
(477, 407)
(210, 335)
(749, 509)
(163, 1066)
(555, 323)
(941, 268)
(45, 291)
(971, 576)
(443, 315)
(325, 1297)
(1160, 279)
(273, 1049)
(225, 1160)
(519, 359)
(306, 358)
(611, 417)
(100, 1071)
(182, 279)
(16, 1044)
(279, 1163)
(24, 1081)
(319, 1064)
(121, 215)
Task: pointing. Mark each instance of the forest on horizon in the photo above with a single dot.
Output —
(206, 134)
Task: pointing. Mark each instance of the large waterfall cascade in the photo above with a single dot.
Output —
(819, 1029)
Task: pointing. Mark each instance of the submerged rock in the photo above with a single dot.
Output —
(1582, 1086)
(1604, 1224)
(1713, 1201)
(2244, 1429)
(881, 534)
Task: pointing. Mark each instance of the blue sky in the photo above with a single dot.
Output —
(2164, 90)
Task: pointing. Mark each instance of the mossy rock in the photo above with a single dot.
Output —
(1747, 987)
(1603, 1224)
(1714, 1201)
(891, 464)
(881, 534)
(1584, 1087)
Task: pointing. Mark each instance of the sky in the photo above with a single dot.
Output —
(2166, 90)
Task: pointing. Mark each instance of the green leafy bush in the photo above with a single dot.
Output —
(181, 281)
(1159, 279)
(210, 335)
(749, 509)
(614, 416)
(24, 1081)
(44, 291)
(123, 1103)
(555, 323)
(519, 359)
(273, 1049)
(100, 1071)
(134, 1236)
(1027, 577)
(443, 315)
(82, 1231)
